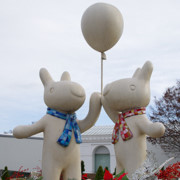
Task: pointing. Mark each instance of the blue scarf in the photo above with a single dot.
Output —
(70, 125)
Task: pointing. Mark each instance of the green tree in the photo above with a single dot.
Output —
(82, 167)
(114, 173)
(166, 110)
(99, 173)
(5, 173)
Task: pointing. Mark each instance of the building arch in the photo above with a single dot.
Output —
(101, 156)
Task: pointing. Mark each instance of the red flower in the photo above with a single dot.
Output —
(172, 171)
(107, 175)
(120, 177)
(84, 176)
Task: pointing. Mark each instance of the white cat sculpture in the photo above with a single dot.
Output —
(124, 101)
(61, 149)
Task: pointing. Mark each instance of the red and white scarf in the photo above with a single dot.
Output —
(122, 127)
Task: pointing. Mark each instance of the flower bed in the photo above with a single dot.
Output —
(150, 170)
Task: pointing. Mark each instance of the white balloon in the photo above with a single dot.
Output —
(102, 26)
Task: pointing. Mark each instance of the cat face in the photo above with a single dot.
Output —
(64, 95)
(129, 93)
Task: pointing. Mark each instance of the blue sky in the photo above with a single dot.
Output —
(46, 33)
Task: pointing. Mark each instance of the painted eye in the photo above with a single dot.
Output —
(51, 90)
(132, 87)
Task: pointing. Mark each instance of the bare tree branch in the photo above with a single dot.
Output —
(167, 111)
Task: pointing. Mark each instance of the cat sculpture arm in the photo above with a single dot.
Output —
(28, 130)
(93, 114)
(154, 130)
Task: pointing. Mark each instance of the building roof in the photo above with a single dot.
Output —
(99, 130)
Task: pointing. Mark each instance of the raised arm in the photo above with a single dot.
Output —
(113, 115)
(28, 130)
(93, 114)
(154, 130)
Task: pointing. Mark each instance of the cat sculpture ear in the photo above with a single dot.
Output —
(65, 76)
(136, 73)
(145, 72)
(45, 76)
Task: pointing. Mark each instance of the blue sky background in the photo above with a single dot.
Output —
(44, 33)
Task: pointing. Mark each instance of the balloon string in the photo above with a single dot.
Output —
(103, 57)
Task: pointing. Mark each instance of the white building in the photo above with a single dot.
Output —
(96, 150)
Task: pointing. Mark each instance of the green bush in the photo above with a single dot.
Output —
(114, 173)
(99, 173)
(5, 173)
(82, 167)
